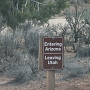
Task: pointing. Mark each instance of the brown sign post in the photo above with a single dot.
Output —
(51, 57)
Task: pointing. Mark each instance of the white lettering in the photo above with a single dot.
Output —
(52, 62)
(52, 49)
(45, 58)
(46, 49)
(52, 44)
(52, 57)
(45, 44)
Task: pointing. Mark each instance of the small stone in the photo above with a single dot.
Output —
(78, 84)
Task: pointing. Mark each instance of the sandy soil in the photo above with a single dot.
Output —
(80, 83)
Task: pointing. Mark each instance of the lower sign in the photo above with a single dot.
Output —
(52, 60)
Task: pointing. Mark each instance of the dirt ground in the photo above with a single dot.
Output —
(82, 83)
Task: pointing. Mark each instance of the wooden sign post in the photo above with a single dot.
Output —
(50, 79)
(40, 54)
(51, 58)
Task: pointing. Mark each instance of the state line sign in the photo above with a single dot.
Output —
(52, 51)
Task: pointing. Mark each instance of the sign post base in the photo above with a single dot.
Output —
(50, 79)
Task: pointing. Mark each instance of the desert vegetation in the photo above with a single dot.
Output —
(19, 42)
(19, 54)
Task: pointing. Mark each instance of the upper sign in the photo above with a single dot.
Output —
(52, 53)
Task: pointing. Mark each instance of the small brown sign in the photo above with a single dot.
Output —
(52, 53)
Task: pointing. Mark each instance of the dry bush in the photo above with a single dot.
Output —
(75, 67)
(75, 70)
(21, 67)
(19, 54)
(83, 52)
(32, 43)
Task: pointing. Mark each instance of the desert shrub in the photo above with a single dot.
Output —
(21, 67)
(76, 46)
(88, 70)
(88, 66)
(83, 52)
(74, 67)
(19, 54)
(56, 30)
(1, 21)
(75, 70)
(32, 43)
(6, 44)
